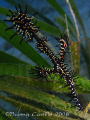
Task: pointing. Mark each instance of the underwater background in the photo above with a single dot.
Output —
(33, 99)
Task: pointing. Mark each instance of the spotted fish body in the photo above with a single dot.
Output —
(24, 25)
(59, 66)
